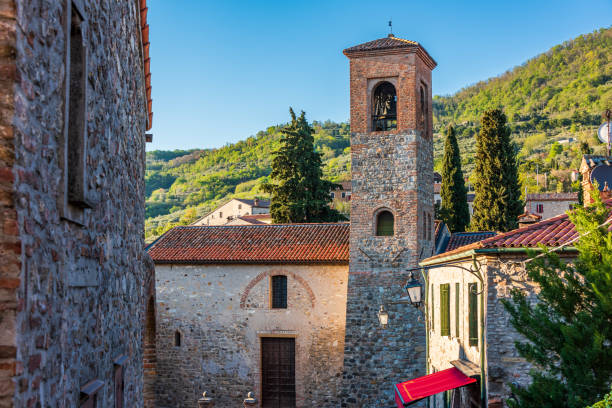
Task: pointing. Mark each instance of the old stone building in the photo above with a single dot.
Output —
(74, 278)
(548, 205)
(467, 325)
(219, 328)
(257, 308)
(392, 212)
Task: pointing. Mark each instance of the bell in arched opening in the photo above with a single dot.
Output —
(384, 107)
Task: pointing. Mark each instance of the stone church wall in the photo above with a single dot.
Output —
(222, 311)
(72, 295)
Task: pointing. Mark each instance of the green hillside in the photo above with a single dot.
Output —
(553, 102)
(184, 185)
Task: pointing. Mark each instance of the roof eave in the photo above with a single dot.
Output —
(438, 259)
(417, 49)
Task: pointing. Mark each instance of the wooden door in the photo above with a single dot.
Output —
(278, 372)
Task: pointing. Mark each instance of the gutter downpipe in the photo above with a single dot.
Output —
(426, 318)
(483, 385)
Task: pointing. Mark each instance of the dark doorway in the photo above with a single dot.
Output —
(278, 372)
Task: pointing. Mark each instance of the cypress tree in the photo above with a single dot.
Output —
(454, 210)
(298, 193)
(568, 331)
(497, 204)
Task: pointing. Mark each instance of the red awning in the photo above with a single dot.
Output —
(422, 387)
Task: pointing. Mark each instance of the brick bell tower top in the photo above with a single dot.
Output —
(403, 63)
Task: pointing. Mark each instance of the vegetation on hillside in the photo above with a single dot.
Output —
(298, 193)
(557, 97)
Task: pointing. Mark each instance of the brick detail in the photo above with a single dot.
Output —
(261, 276)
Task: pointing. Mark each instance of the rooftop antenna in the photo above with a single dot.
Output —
(390, 28)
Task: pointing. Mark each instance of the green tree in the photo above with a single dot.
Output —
(454, 210)
(555, 149)
(497, 204)
(568, 331)
(297, 191)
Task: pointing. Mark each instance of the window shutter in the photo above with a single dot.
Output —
(473, 311)
(445, 309)
(457, 292)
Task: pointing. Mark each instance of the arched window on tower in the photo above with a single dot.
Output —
(422, 104)
(384, 107)
(384, 224)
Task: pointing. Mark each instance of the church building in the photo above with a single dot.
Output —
(289, 311)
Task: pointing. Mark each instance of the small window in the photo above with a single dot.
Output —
(343, 194)
(333, 195)
(279, 292)
(220, 214)
(473, 313)
(240, 206)
(445, 309)
(422, 99)
(384, 224)
(177, 339)
(384, 107)
(76, 143)
(540, 208)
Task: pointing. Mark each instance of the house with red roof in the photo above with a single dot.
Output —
(257, 308)
(467, 325)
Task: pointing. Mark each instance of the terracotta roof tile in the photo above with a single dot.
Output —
(144, 36)
(390, 44)
(552, 232)
(459, 239)
(276, 243)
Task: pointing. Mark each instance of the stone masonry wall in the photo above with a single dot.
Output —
(80, 298)
(391, 170)
(10, 245)
(222, 311)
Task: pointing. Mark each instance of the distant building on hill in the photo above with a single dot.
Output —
(548, 205)
(343, 193)
(233, 209)
(438, 197)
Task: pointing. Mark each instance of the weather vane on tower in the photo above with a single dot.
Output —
(390, 27)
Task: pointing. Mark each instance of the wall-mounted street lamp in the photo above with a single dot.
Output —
(415, 291)
(383, 317)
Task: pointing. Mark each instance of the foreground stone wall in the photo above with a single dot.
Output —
(80, 286)
(222, 311)
(10, 243)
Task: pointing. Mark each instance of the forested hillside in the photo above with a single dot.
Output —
(553, 102)
(184, 185)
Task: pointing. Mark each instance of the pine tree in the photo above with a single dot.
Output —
(454, 210)
(569, 329)
(497, 204)
(298, 193)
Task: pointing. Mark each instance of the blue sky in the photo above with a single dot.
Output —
(223, 70)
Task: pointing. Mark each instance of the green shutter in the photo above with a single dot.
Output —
(457, 309)
(473, 311)
(445, 309)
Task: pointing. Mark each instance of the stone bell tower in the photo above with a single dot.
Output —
(392, 214)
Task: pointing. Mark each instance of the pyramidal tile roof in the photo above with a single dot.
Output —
(552, 232)
(264, 244)
(385, 43)
(389, 44)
